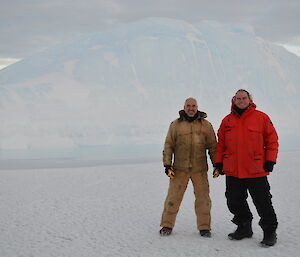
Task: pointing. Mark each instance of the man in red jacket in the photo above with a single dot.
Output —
(246, 152)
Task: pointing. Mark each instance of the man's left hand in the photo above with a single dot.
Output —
(269, 165)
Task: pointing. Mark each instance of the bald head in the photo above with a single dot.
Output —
(191, 106)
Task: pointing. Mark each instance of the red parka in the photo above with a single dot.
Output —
(245, 142)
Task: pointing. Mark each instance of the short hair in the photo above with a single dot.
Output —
(244, 90)
(190, 98)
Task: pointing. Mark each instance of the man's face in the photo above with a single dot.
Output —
(190, 107)
(242, 100)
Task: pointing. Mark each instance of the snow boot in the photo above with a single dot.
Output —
(244, 230)
(165, 231)
(270, 239)
(205, 233)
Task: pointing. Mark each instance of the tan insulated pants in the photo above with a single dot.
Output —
(177, 188)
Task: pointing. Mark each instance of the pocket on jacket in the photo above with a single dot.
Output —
(255, 136)
(228, 163)
(183, 138)
(229, 134)
(257, 163)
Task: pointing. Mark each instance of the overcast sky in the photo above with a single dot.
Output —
(28, 26)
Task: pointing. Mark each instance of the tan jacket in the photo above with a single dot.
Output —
(188, 142)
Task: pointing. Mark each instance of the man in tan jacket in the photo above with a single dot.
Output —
(188, 139)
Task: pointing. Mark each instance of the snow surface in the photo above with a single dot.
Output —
(114, 210)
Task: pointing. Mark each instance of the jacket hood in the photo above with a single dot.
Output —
(201, 115)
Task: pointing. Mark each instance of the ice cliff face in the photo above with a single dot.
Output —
(123, 86)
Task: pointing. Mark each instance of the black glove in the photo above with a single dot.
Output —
(169, 171)
(269, 165)
(218, 169)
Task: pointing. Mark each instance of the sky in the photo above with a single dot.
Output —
(30, 26)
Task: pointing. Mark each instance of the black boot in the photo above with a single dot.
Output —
(205, 233)
(244, 230)
(270, 238)
(165, 231)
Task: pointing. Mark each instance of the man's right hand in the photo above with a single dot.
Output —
(218, 169)
(169, 171)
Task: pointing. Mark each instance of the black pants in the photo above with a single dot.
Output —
(259, 189)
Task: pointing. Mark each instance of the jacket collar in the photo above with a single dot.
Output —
(201, 115)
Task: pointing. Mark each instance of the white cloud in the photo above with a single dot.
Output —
(293, 49)
(30, 26)
(4, 62)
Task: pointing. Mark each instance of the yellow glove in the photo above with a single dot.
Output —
(169, 172)
(216, 173)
